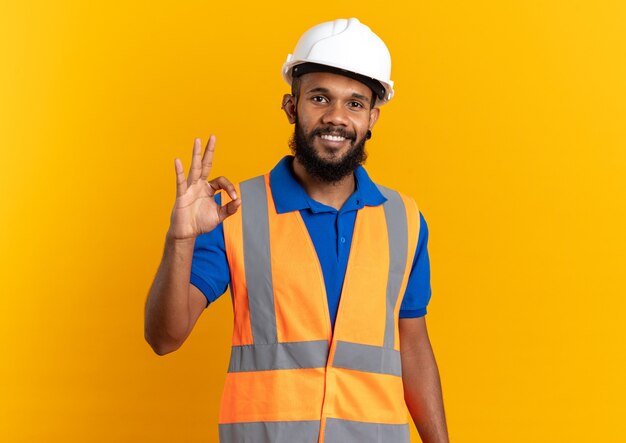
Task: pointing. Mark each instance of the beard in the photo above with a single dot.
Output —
(324, 170)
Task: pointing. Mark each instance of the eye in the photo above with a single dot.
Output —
(355, 104)
(319, 99)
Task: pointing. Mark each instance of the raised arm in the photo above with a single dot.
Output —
(174, 305)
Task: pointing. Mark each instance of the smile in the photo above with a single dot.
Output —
(333, 138)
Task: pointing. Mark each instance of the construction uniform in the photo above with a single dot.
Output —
(304, 367)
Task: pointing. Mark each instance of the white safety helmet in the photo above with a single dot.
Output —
(346, 47)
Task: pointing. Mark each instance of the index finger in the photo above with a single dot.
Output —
(207, 159)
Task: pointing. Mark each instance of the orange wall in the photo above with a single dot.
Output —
(508, 127)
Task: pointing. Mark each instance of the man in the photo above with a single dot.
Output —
(328, 272)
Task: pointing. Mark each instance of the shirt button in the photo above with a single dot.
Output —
(343, 239)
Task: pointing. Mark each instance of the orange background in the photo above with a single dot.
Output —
(508, 127)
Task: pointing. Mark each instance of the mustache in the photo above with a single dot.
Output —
(329, 130)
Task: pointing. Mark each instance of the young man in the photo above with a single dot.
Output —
(328, 271)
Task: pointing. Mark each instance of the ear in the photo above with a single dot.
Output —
(374, 114)
(289, 106)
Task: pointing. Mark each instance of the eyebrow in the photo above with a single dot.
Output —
(326, 91)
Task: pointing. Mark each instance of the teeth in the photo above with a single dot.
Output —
(334, 138)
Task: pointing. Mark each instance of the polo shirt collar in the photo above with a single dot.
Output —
(289, 195)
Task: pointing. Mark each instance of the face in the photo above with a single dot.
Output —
(332, 116)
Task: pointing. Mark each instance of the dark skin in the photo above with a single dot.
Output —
(330, 99)
(174, 305)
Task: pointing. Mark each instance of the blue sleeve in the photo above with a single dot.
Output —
(418, 290)
(209, 267)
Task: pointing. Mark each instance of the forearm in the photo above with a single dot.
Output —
(422, 385)
(167, 313)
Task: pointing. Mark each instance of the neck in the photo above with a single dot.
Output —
(330, 194)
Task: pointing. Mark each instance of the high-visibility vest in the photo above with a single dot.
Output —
(291, 379)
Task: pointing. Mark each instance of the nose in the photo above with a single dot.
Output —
(336, 114)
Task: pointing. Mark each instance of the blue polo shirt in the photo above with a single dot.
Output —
(331, 232)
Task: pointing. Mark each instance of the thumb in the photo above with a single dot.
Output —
(228, 209)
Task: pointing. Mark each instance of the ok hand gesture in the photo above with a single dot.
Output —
(195, 211)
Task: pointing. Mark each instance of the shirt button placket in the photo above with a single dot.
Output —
(341, 238)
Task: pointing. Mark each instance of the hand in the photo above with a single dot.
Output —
(195, 211)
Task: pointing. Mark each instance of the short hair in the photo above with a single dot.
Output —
(295, 87)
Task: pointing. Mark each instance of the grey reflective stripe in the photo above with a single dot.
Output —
(397, 231)
(256, 252)
(293, 355)
(367, 358)
(347, 431)
(270, 432)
